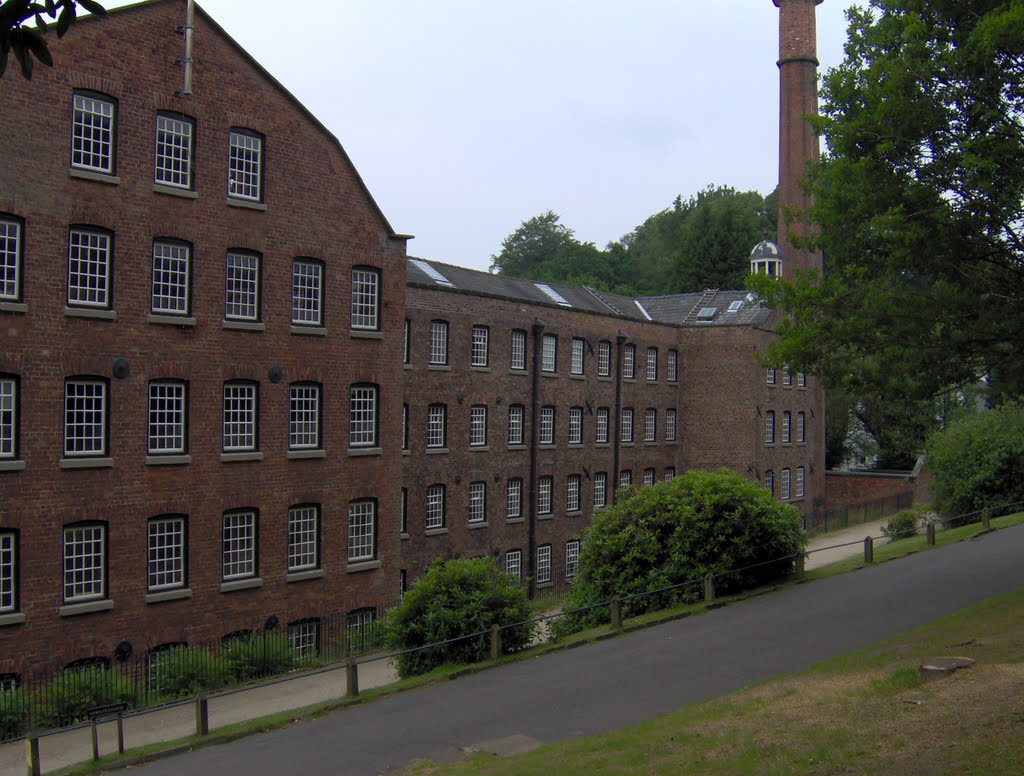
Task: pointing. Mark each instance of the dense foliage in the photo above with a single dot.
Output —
(29, 43)
(457, 598)
(978, 461)
(678, 531)
(919, 204)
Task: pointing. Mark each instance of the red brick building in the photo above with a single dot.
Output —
(228, 398)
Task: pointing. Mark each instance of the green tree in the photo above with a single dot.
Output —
(457, 598)
(537, 240)
(918, 203)
(29, 43)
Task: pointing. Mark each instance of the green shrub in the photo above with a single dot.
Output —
(978, 461)
(67, 697)
(457, 598)
(259, 655)
(183, 671)
(678, 531)
(14, 713)
(902, 525)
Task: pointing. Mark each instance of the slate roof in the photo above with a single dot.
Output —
(678, 309)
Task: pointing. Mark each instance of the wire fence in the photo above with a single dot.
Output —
(177, 673)
(848, 515)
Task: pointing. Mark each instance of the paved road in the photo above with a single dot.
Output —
(624, 680)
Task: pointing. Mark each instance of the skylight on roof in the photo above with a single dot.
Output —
(646, 314)
(553, 295)
(707, 313)
(734, 307)
(432, 273)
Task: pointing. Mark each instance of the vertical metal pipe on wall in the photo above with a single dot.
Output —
(615, 424)
(531, 560)
(190, 18)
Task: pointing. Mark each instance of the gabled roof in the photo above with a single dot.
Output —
(731, 307)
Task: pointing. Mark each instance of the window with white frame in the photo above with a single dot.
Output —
(649, 475)
(650, 425)
(405, 426)
(604, 358)
(549, 353)
(544, 487)
(303, 537)
(544, 564)
(362, 418)
(438, 343)
(799, 484)
(670, 472)
(8, 417)
(517, 350)
(670, 425)
(242, 287)
(769, 481)
(437, 425)
(240, 407)
(93, 128)
(245, 165)
(784, 485)
(572, 558)
(477, 502)
(172, 278)
(652, 363)
(787, 420)
(85, 562)
(629, 361)
(90, 254)
(769, 427)
(435, 506)
(174, 138)
(801, 427)
(304, 416)
(601, 425)
(480, 346)
(547, 426)
(514, 563)
(165, 567)
(787, 376)
(10, 259)
(515, 424)
(576, 361)
(8, 572)
(478, 425)
(572, 493)
(600, 490)
(801, 380)
(85, 417)
(672, 366)
(513, 498)
(625, 478)
(307, 292)
(365, 298)
(575, 425)
(168, 408)
(362, 530)
(626, 425)
(304, 637)
(770, 373)
(238, 544)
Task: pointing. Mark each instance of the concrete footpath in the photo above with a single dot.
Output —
(67, 748)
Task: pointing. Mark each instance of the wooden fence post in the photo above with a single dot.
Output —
(986, 518)
(495, 641)
(95, 740)
(32, 756)
(616, 611)
(352, 678)
(709, 588)
(801, 565)
(929, 534)
(869, 550)
(202, 715)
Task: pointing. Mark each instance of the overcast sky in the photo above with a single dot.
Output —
(466, 117)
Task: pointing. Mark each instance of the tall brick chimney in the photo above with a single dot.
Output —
(798, 143)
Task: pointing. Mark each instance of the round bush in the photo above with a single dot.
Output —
(457, 598)
(678, 531)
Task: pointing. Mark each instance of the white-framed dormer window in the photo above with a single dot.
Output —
(85, 417)
(10, 259)
(575, 425)
(604, 358)
(365, 299)
(175, 134)
(480, 346)
(576, 361)
(307, 292)
(304, 416)
(245, 165)
(363, 415)
(478, 425)
(517, 350)
(652, 363)
(168, 407)
(549, 353)
(438, 343)
(93, 132)
(242, 287)
(172, 278)
(362, 530)
(240, 408)
(90, 260)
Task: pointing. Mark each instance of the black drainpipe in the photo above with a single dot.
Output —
(531, 551)
(616, 423)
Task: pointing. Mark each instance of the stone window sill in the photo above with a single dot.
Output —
(233, 202)
(86, 463)
(438, 368)
(362, 452)
(98, 177)
(435, 532)
(243, 325)
(479, 448)
(363, 565)
(86, 607)
(515, 371)
(298, 455)
(13, 307)
(517, 447)
(167, 460)
(175, 191)
(552, 375)
(86, 312)
(15, 618)
(302, 576)
(171, 320)
(512, 520)
(241, 457)
(366, 334)
(577, 377)
(240, 584)
(308, 331)
(168, 595)
(480, 369)
(436, 450)
(546, 516)
(12, 466)
(481, 524)
(574, 513)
